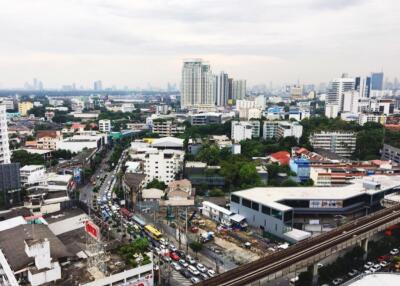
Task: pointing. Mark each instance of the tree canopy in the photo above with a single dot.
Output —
(25, 158)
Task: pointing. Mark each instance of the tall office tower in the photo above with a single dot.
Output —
(230, 88)
(4, 147)
(98, 85)
(238, 89)
(377, 81)
(197, 84)
(363, 86)
(338, 87)
(222, 89)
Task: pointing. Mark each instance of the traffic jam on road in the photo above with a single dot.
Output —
(384, 263)
(111, 211)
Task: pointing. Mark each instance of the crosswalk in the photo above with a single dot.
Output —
(178, 279)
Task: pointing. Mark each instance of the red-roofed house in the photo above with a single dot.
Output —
(281, 157)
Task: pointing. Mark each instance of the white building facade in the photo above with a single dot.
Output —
(340, 143)
(5, 155)
(105, 125)
(163, 165)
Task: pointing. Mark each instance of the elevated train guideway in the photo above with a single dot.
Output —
(308, 252)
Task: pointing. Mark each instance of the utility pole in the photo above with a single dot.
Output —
(186, 228)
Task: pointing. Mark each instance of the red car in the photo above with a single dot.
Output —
(174, 256)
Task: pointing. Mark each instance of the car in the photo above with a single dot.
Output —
(183, 263)
(195, 280)
(376, 268)
(176, 266)
(166, 258)
(368, 265)
(211, 272)
(383, 257)
(383, 264)
(201, 267)
(193, 270)
(204, 276)
(172, 247)
(174, 256)
(394, 251)
(367, 272)
(157, 250)
(163, 241)
(186, 273)
(190, 260)
(337, 281)
(353, 273)
(180, 253)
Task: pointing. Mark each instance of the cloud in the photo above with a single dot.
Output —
(313, 40)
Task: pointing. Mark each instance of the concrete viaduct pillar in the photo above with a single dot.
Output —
(314, 271)
(364, 245)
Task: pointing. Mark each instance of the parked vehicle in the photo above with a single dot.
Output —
(194, 280)
(183, 263)
(394, 251)
(211, 272)
(193, 270)
(337, 281)
(176, 266)
(368, 265)
(174, 256)
(201, 267)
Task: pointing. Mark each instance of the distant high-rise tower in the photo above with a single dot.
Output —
(238, 89)
(98, 85)
(197, 84)
(4, 147)
(338, 87)
(363, 86)
(222, 89)
(377, 81)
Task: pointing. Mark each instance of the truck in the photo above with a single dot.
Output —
(206, 237)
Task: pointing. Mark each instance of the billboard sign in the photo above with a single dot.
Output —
(326, 204)
(92, 229)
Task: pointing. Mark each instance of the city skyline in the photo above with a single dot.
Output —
(134, 44)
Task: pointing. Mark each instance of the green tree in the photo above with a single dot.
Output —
(215, 192)
(25, 158)
(196, 246)
(156, 184)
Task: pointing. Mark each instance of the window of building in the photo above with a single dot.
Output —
(266, 210)
(255, 206)
(246, 203)
(235, 199)
(276, 214)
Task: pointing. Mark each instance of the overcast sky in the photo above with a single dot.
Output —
(136, 42)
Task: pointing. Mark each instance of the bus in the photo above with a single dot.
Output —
(139, 221)
(153, 232)
(127, 214)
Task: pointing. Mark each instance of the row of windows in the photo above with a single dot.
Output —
(264, 209)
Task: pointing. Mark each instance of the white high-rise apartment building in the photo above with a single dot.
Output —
(163, 165)
(105, 125)
(340, 143)
(282, 129)
(5, 156)
(197, 84)
(222, 89)
(241, 130)
(350, 101)
(238, 89)
(338, 87)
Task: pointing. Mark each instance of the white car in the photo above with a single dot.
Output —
(368, 265)
(172, 247)
(157, 250)
(211, 273)
(176, 266)
(201, 267)
(384, 263)
(190, 259)
(375, 268)
(394, 251)
(193, 270)
(353, 273)
(337, 281)
(195, 280)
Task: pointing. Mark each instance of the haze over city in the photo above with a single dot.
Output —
(136, 43)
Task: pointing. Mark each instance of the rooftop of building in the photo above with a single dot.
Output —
(28, 168)
(271, 196)
(13, 246)
(382, 279)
